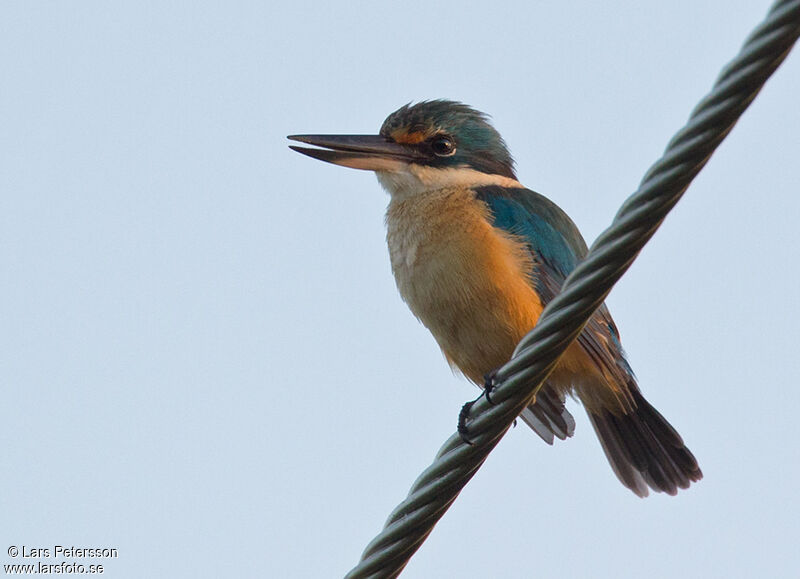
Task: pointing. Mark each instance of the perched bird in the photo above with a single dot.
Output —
(476, 256)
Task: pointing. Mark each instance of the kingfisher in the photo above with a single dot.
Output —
(477, 256)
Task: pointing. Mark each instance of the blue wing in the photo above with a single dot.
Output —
(557, 247)
(553, 239)
(642, 447)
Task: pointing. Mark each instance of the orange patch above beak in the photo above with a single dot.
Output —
(409, 138)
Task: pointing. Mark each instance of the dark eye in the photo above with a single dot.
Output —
(443, 146)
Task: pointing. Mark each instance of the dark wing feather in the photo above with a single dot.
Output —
(642, 447)
(556, 246)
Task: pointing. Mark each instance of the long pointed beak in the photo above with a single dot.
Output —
(367, 152)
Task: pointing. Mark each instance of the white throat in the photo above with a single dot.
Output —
(413, 179)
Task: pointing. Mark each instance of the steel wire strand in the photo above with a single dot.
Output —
(583, 291)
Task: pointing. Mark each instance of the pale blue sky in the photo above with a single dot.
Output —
(204, 360)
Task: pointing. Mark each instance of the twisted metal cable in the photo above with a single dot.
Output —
(583, 291)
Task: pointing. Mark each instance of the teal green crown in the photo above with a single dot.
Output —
(477, 144)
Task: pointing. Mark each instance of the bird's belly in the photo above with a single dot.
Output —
(469, 283)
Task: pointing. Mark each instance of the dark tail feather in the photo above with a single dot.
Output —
(548, 416)
(645, 450)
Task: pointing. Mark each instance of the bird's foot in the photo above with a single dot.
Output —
(489, 384)
(463, 431)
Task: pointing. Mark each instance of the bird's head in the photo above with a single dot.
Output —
(422, 147)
